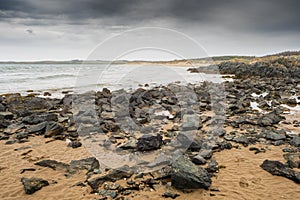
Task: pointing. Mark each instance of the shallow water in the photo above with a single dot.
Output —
(59, 77)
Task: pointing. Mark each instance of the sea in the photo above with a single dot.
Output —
(62, 78)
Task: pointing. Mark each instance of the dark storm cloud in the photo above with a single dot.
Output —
(256, 14)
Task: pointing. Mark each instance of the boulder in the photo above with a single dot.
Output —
(186, 174)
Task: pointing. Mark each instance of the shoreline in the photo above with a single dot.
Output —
(70, 144)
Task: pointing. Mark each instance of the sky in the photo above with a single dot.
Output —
(32, 30)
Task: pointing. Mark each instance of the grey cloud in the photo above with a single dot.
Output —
(262, 15)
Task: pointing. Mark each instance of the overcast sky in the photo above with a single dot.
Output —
(71, 29)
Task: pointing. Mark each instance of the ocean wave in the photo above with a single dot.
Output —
(55, 76)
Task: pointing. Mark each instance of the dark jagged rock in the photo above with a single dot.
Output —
(113, 176)
(187, 175)
(39, 118)
(162, 173)
(295, 141)
(13, 128)
(191, 122)
(206, 153)
(272, 135)
(4, 123)
(2, 107)
(31, 185)
(22, 135)
(198, 160)
(108, 193)
(53, 129)
(279, 169)
(241, 139)
(149, 142)
(271, 118)
(53, 164)
(212, 166)
(89, 164)
(170, 195)
(75, 144)
(38, 129)
(7, 115)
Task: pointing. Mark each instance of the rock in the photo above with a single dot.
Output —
(257, 150)
(96, 182)
(149, 142)
(295, 141)
(89, 164)
(2, 107)
(111, 193)
(74, 144)
(278, 142)
(270, 119)
(206, 153)
(39, 118)
(170, 195)
(6, 115)
(107, 115)
(293, 159)
(198, 160)
(11, 141)
(31, 185)
(22, 135)
(4, 137)
(279, 169)
(130, 144)
(190, 122)
(108, 126)
(217, 132)
(53, 129)
(53, 164)
(13, 128)
(241, 139)
(187, 175)
(162, 173)
(4, 123)
(271, 135)
(160, 160)
(38, 129)
(213, 166)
